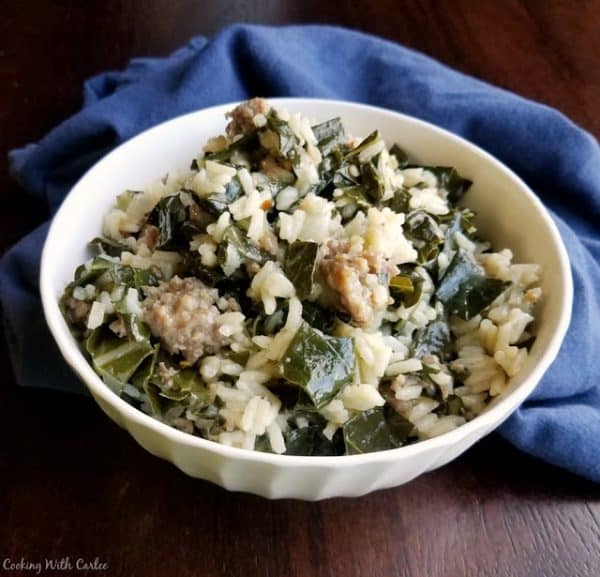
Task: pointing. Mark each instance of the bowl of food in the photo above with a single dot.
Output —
(305, 298)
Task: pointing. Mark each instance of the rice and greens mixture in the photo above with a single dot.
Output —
(302, 291)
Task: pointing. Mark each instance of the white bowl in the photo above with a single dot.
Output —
(509, 214)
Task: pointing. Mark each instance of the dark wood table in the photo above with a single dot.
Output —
(74, 485)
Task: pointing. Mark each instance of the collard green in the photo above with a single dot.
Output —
(170, 215)
(377, 429)
(406, 287)
(320, 364)
(372, 183)
(426, 235)
(450, 180)
(311, 441)
(318, 317)
(216, 203)
(330, 135)
(464, 288)
(400, 155)
(288, 141)
(434, 339)
(114, 358)
(363, 145)
(247, 144)
(107, 246)
(236, 249)
(107, 273)
(300, 264)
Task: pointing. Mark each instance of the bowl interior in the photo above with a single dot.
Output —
(508, 214)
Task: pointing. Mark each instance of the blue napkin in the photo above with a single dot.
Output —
(560, 422)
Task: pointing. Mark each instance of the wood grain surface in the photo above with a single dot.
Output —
(74, 485)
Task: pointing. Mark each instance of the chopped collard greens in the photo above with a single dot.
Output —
(302, 291)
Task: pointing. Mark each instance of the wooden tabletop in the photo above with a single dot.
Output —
(73, 485)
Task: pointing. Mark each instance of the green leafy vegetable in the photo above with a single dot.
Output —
(360, 191)
(217, 202)
(116, 359)
(405, 288)
(107, 246)
(208, 421)
(268, 324)
(300, 264)
(372, 182)
(107, 274)
(449, 179)
(192, 266)
(402, 284)
(135, 328)
(331, 141)
(169, 384)
(400, 155)
(330, 135)
(262, 444)
(310, 441)
(327, 167)
(400, 202)
(434, 339)
(458, 221)
(236, 249)
(170, 214)
(141, 377)
(180, 385)
(356, 194)
(301, 407)
(141, 380)
(130, 277)
(88, 274)
(355, 152)
(177, 383)
(321, 365)
(425, 234)
(343, 176)
(464, 288)
(273, 322)
(453, 405)
(247, 145)
(377, 429)
(318, 317)
(288, 141)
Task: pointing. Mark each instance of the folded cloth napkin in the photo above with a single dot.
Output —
(560, 422)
